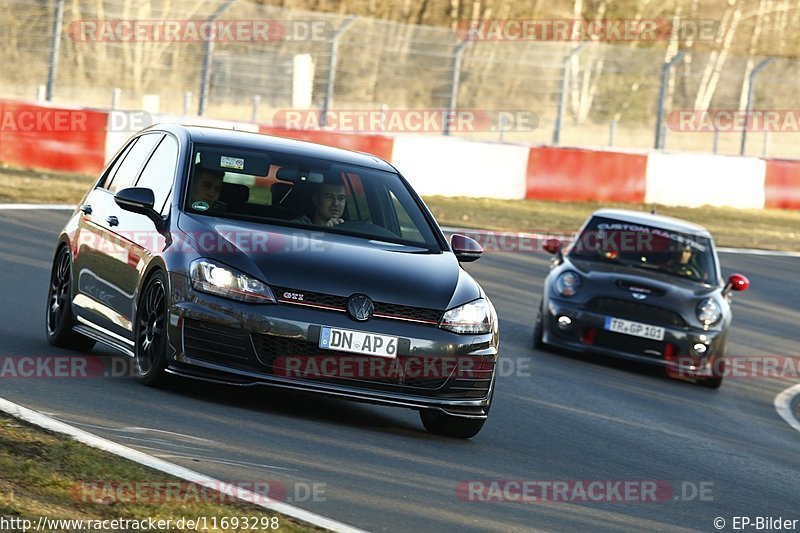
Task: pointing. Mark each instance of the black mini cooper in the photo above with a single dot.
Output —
(246, 259)
(643, 287)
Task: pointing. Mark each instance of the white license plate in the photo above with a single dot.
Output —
(346, 340)
(637, 329)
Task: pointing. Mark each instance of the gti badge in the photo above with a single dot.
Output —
(360, 307)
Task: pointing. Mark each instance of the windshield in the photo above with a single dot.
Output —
(322, 195)
(670, 252)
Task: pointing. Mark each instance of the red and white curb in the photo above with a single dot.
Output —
(46, 422)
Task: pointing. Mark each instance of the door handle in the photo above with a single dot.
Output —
(87, 209)
(112, 221)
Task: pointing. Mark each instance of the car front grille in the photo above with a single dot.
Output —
(635, 311)
(339, 303)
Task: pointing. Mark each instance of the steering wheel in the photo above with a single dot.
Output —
(366, 227)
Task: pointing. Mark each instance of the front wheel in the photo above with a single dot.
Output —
(451, 426)
(717, 372)
(58, 319)
(150, 351)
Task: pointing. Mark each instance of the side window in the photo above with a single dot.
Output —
(159, 172)
(113, 170)
(137, 155)
(407, 228)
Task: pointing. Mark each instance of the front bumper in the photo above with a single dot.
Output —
(587, 333)
(220, 340)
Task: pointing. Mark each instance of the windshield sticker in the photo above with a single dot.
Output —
(236, 163)
(682, 239)
(200, 206)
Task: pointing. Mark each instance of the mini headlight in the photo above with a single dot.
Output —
(708, 311)
(220, 280)
(473, 317)
(568, 283)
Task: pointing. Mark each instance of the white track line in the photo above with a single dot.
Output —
(783, 404)
(186, 474)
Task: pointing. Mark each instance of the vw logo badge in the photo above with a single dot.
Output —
(360, 307)
(639, 295)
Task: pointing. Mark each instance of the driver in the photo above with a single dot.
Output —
(205, 188)
(329, 203)
(680, 264)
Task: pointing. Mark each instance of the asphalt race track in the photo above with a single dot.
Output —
(570, 419)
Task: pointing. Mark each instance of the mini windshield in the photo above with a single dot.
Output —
(321, 195)
(647, 247)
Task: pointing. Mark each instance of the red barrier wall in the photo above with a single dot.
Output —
(571, 174)
(52, 138)
(379, 145)
(782, 184)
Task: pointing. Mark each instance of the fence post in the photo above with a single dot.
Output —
(562, 98)
(455, 83)
(749, 105)
(55, 47)
(332, 58)
(612, 132)
(205, 72)
(256, 103)
(662, 96)
(715, 145)
(116, 96)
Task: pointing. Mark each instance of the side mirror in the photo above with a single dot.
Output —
(552, 246)
(737, 282)
(139, 200)
(465, 249)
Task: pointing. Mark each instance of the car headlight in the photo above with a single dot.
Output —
(568, 283)
(474, 317)
(220, 280)
(708, 311)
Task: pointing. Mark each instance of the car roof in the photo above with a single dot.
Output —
(648, 219)
(260, 141)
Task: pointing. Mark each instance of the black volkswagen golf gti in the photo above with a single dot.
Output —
(246, 259)
(642, 287)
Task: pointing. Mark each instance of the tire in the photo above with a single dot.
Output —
(150, 333)
(538, 331)
(440, 423)
(58, 316)
(719, 373)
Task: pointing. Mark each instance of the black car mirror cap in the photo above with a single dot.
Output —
(465, 249)
(139, 200)
(736, 282)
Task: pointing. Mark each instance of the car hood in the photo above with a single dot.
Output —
(668, 290)
(334, 264)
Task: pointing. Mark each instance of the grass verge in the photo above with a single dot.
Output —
(44, 474)
(767, 229)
